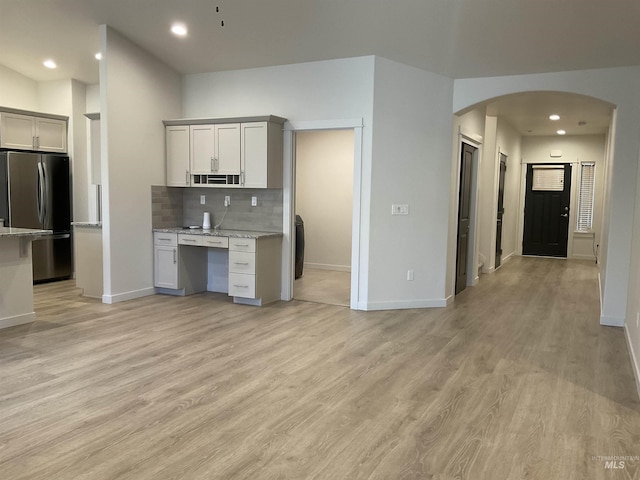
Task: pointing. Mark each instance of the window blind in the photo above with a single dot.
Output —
(548, 178)
(585, 197)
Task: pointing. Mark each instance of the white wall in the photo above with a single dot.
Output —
(411, 165)
(508, 141)
(575, 149)
(470, 128)
(304, 93)
(136, 93)
(324, 195)
(17, 91)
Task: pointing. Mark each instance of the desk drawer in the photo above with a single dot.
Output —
(168, 239)
(186, 239)
(242, 285)
(242, 244)
(242, 262)
(215, 242)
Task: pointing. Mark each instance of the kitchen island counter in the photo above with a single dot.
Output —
(16, 275)
(219, 233)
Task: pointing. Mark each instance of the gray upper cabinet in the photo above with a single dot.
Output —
(21, 131)
(230, 153)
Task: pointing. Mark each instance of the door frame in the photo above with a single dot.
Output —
(573, 199)
(474, 241)
(288, 200)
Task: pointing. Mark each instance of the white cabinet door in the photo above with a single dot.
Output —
(166, 267)
(17, 131)
(51, 135)
(202, 149)
(227, 158)
(177, 138)
(261, 151)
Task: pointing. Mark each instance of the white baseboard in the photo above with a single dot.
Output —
(450, 299)
(402, 305)
(123, 297)
(325, 266)
(635, 364)
(611, 321)
(583, 257)
(17, 320)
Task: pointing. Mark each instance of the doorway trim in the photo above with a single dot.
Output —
(475, 141)
(288, 201)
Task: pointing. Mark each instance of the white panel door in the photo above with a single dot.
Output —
(202, 149)
(254, 154)
(17, 131)
(166, 267)
(177, 138)
(51, 135)
(227, 159)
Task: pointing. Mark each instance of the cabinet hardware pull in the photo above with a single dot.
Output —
(240, 286)
(37, 142)
(186, 177)
(241, 263)
(174, 257)
(242, 244)
(188, 240)
(213, 165)
(216, 163)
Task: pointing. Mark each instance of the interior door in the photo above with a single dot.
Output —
(466, 163)
(500, 212)
(546, 210)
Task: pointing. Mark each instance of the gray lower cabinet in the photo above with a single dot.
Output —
(251, 270)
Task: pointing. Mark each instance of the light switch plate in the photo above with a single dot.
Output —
(399, 209)
(202, 199)
(254, 201)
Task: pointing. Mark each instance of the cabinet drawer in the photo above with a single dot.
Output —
(169, 239)
(242, 262)
(242, 285)
(216, 242)
(187, 239)
(242, 244)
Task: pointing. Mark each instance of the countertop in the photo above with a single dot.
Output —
(87, 224)
(219, 233)
(23, 232)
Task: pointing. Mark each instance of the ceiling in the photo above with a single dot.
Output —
(456, 38)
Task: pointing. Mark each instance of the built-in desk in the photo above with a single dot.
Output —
(16, 275)
(245, 265)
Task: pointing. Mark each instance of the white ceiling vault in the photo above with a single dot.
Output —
(455, 38)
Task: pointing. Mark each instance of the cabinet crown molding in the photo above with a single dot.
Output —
(212, 121)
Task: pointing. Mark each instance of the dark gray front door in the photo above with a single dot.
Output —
(546, 210)
(466, 163)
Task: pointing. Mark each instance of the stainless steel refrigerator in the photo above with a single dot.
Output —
(35, 193)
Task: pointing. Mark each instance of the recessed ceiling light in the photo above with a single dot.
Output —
(561, 132)
(49, 64)
(554, 117)
(179, 29)
(98, 56)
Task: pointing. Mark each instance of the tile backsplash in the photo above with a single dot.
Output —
(266, 216)
(166, 207)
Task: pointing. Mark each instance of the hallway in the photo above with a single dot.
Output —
(515, 380)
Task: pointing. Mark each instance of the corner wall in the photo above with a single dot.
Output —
(17, 91)
(411, 165)
(137, 92)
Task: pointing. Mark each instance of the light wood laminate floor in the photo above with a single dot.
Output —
(516, 380)
(323, 286)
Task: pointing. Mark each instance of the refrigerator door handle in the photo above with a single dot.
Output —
(40, 193)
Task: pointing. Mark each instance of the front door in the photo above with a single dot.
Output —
(466, 162)
(546, 210)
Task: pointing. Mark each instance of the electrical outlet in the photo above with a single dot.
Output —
(397, 209)
(410, 275)
(202, 199)
(227, 200)
(254, 201)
